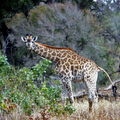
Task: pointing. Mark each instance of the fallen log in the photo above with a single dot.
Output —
(110, 86)
(100, 95)
(82, 95)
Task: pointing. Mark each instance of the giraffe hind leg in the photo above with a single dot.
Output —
(92, 95)
(92, 99)
(90, 105)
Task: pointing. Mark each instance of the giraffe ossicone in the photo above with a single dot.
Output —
(70, 67)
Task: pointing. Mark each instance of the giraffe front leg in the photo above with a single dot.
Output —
(69, 91)
(63, 93)
(66, 85)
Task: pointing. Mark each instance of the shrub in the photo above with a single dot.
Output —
(4, 65)
(18, 87)
(40, 68)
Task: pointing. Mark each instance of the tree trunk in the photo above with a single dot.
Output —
(50, 1)
(8, 45)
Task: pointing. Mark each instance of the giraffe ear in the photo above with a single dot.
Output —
(35, 38)
(23, 39)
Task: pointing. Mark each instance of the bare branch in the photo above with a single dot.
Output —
(110, 86)
(83, 94)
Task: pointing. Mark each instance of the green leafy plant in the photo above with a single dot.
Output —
(18, 87)
(4, 65)
(40, 68)
(50, 102)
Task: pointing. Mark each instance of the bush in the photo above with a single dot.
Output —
(4, 65)
(40, 68)
(18, 87)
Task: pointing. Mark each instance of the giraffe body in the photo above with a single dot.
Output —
(70, 67)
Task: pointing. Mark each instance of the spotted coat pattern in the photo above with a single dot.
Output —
(70, 67)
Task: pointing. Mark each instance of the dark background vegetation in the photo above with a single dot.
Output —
(91, 28)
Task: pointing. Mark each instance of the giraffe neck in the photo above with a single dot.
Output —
(54, 54)
(47, 52)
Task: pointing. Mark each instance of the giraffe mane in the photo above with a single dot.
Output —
(55, 47)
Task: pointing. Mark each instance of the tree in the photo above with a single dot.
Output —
(85, 4)
(64, 25)
(8, 8)
(58, 24)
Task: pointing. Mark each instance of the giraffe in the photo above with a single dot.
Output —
(69, 67)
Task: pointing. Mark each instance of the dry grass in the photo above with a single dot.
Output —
(106, 111)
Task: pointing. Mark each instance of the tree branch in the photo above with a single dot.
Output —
(110, 86)
(83, 94)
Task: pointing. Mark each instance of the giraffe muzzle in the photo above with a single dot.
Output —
(29, 48)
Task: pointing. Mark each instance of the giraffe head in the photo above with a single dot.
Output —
(29, 40)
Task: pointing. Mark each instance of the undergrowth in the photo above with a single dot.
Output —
(22, 99)
(19, 90)
(106, 111)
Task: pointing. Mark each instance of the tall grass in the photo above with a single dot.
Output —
(106, 111)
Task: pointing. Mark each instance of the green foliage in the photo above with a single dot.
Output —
(49, 102)
(4, 65)
(40, 68)
(18, 87)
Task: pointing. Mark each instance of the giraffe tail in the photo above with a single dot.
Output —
(114, 87)
(101, 69)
